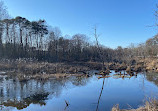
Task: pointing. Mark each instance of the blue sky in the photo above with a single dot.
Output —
(119, 22)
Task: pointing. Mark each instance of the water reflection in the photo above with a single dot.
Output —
(152, 77)
(100, 95)
(25, 102)
(82, 93)
(22, 94)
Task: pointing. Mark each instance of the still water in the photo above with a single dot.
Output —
(81, 93)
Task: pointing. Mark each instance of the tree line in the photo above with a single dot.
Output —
(22, 38)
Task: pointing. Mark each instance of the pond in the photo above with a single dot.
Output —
(81, 93)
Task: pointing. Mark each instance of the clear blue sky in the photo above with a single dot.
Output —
(119, 22)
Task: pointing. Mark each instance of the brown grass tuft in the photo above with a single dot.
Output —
(151, 105)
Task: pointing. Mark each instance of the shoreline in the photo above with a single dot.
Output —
(27, 69)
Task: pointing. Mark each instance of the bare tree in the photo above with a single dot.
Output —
(98, 47)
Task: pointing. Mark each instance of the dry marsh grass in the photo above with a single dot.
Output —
(151, 105)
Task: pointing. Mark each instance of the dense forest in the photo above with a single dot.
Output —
(22, 38)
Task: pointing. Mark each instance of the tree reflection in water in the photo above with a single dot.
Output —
(153, 77)
(22, 94)
(35, 99)
(100, 95)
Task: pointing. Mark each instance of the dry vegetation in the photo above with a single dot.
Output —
(152, 64)
(29, 67)
(151, 105)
